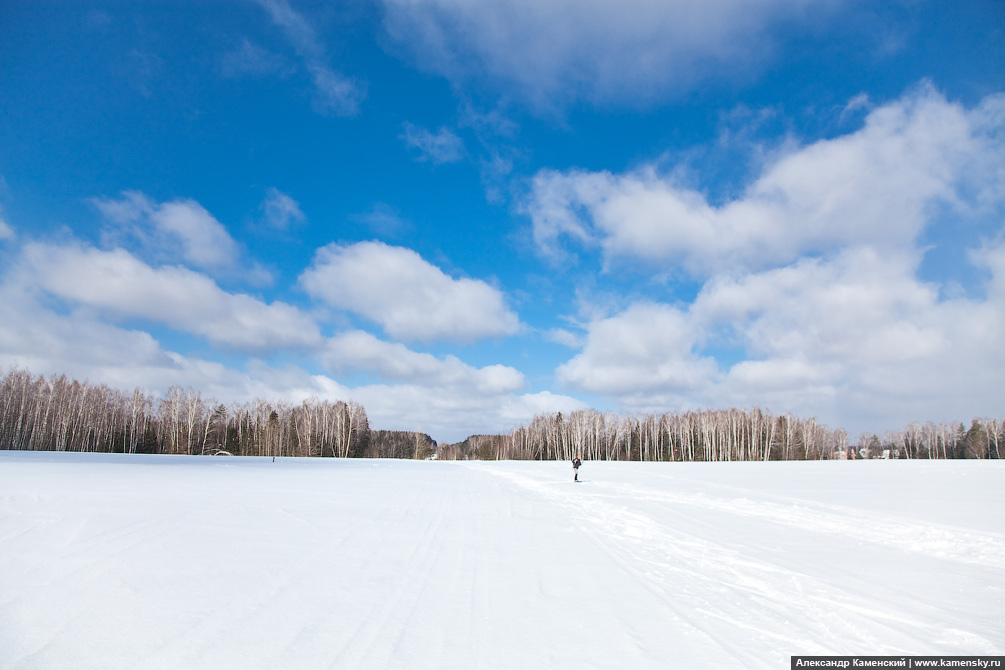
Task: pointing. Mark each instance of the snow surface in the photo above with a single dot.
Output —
(111, 561)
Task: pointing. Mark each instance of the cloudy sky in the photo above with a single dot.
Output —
(461, 213)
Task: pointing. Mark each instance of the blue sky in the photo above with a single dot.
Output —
(464, 213)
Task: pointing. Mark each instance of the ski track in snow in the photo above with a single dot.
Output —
(167, 562)
(934, 540)
(721, 591)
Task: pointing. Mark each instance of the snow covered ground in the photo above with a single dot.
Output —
(110, 561)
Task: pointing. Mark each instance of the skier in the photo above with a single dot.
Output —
(576, 462)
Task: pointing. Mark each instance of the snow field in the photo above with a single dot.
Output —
(111, 561)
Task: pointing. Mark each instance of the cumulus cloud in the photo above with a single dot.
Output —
(647, 347)
(441, 396)
(52, 343)
(204, 241)
(564, 337)
(396, 362)
(280, 210)
(70, 308)
(550, 51)
(811, 295)
(871, 334)
(117, 283)
(334, 93)
(410, 298)
(452, 416)
(80, 344)
(180, 229)
(857, 340)
(85, 348)
(443, 146)
(875, 186)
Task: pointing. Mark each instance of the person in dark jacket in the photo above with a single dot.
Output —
(576, 462)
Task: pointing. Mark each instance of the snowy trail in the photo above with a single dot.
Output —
(724, 587)
(163, 562)
(896, 532)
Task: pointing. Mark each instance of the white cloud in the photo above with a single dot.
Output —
(811, 299)
(490, 124)
(549, 51)
(129, 209)
(48, 342)
(864, 305)
(204, 241)
(443, 146)
(875, 186)
(6, 232)
(859, 102)
(868, 333)
(495, 171)
(119, 284)
(178, 228)
(564, 337)
(856, 340)
(410, 298)
(396, 362)
(81, 345)
(443, 397)
(648, 347)
(281, 210)
(991, 258)
(451, 416)
(334, 93)
(77, 310)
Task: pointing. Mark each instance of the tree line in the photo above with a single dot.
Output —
(720, 435)
(59, 414)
